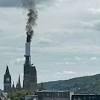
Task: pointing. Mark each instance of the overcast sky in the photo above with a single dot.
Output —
(66, 43)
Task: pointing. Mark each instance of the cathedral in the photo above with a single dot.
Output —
(30, 73)
(8, 86)
(7, 80)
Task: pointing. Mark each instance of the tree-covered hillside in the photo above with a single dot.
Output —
(87, 84)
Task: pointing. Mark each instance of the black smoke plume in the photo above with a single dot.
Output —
(32, 16)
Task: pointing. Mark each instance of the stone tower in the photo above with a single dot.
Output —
(30, 73)
(7, 80)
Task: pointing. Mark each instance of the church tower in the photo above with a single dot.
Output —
(18, 85)
(13, 87)
(7, 80)
(30, 73)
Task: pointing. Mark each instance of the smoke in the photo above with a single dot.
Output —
(30, 5)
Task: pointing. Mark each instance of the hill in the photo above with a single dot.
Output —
(87, 84)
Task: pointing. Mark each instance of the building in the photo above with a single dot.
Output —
(8, 86)
(18, 85)
(85, 97)
(31, 97)
(7, 80)
(50, 95)
(54, 95)
(30, 73)
(3, 96)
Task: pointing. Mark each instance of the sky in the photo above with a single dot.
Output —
(66, 43)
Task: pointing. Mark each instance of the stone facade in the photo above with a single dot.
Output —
(8, 86)
(30, 73)
(7, 80)
(29, 82)
(30, 78)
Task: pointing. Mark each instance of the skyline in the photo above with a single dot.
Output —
(67, 42)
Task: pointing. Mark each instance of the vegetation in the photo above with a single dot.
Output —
(18, 95)
(87, 84)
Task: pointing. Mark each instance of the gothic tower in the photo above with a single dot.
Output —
(30, 74)
(7, 81)
(13, 87)
(18, 85)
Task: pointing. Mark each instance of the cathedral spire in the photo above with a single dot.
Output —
(13, 86)
(7, 70)
(18, 85)
(7, 80)
(19, 81)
